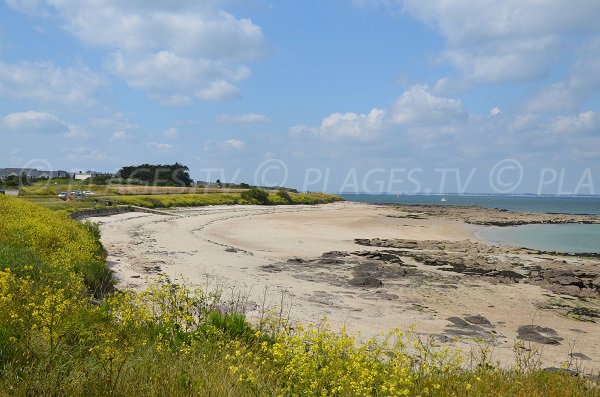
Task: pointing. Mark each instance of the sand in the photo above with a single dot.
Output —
(233, 246)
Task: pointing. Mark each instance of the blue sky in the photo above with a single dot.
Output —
(400, 96)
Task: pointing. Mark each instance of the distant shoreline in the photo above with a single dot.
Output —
(569, 205)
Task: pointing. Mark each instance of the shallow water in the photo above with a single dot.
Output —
(572, 238)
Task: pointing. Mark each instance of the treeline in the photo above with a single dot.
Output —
(157, 174)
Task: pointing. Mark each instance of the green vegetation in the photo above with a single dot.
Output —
(56, 204)
(252, 196)
(179, 200)
(58, 339)
(256, 195)
(46, 192)
(157, 174)
(14, 182)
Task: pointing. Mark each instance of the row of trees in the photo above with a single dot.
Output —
(157, 174)
(175, 174)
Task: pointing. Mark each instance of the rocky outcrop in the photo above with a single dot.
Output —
(560, 273)
(490, 216)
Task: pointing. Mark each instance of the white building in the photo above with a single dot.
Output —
(82, 176)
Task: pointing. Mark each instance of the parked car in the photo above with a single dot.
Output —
(63, 195)
(88, 193)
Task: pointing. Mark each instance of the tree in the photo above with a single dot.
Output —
(256, 196)
(158, 174)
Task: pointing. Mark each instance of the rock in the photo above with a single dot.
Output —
(459, 322)
(385, 296)
(479, 320)
(366, 281)
(537, 334)
(460, 327)
(562, 370)
(334, 254)
(568, 280)
(580, 356)
(273, 268)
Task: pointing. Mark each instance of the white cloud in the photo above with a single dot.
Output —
(582, 81)
(232, 144)
(219, 90)
(46, 82)
(299, 131)
(416, 111)
(338, 126)
(242, 118)
(173, 50)
(159, 146)
(85, 154)
(171, 133)
(33, 122)
(495, 111)
(418, 106)
(28, 7)
(583, 122)
(491, 41)
(118, 135)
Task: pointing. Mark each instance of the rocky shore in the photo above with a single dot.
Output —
(489, 216)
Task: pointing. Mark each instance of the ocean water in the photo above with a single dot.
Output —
(549, 204)
(572, 238)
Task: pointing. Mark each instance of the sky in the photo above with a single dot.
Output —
(398, 96)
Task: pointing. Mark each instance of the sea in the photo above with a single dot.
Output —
(570, 238)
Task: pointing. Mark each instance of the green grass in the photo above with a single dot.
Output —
(57, 339)
(175, 200)
(196, 200)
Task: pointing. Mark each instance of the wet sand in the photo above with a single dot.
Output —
(371, 268)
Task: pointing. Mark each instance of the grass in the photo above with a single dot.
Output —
(64, 333)
(176, 200)
(53, 188)
(196, 200)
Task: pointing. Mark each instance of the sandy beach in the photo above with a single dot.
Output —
(371, 268)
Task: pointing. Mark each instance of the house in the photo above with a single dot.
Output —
(82, 176)
(31, 173)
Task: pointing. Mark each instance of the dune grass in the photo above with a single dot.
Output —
(63, 332)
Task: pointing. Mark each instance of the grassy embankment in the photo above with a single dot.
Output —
(63, 333)
(159, 197)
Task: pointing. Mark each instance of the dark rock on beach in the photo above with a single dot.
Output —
(366, 281)
(479, 320)
(504, 264)
(535, 333)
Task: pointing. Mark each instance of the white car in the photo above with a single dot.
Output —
(88, 193)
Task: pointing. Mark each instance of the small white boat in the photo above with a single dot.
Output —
(443, 199)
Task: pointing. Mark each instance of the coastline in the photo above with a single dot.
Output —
(368, 267)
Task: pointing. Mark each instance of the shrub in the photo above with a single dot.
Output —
(256, 195)
(284, 195)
